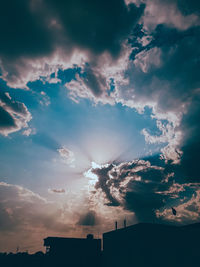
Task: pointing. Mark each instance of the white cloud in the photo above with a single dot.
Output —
(96, 84)
(29, 131)
(168, 135)
(67, 156)
(18, 74)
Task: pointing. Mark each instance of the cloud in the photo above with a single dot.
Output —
(25, 40)
(133, 186)
(154, 64)
(18, 72)
(188, 211)
(95, 26)
(26, 218)
(45, 98)
(88, 84)
(45, 140)
(29, 132)
(14, 115)
(23, 209)
(88, 219)
(66, 155)
(147, 190)
(31, 38)
(57, 32)
(189, 7)
(149, 80)
(57, 191)
(96, 78)
(160, 82)
(168, 13)
(168, 135)
(161, 46)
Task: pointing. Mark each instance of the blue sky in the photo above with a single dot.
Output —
(66, 123)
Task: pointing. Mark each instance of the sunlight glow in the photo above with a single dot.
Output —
(103, 146)
(93, 178)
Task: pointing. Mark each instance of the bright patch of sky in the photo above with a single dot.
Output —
(99, 133)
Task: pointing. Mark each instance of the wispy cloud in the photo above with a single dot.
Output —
(67, 156)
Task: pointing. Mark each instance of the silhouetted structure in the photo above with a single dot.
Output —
(125, 223)
(74, 251)
(155, 245)
(140, 245)
(23, 259)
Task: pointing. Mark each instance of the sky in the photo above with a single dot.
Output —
(99, 117)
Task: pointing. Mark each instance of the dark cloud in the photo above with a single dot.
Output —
(134, 186)
(88, 219)
(102, 183)
(14, 115)
(166, 73)
(179, 55)
(191, 143)
(96, 25)
(36, 30)
(89, 83)
(189, 6)
(173, 13)
(23, 33)
(145, 189)
(7, 120)
(94, 81)
(187, 210)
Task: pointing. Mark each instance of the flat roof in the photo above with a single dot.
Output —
(152, 226)
(49, 240)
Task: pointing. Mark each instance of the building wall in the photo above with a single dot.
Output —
(152, 245)
(75, 252)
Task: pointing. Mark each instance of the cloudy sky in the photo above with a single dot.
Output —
(99, 116)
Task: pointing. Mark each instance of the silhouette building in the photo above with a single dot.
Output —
(157, 245)
(140, 245)
(74, 251)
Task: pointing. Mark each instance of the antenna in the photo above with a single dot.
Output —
(116, 225)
